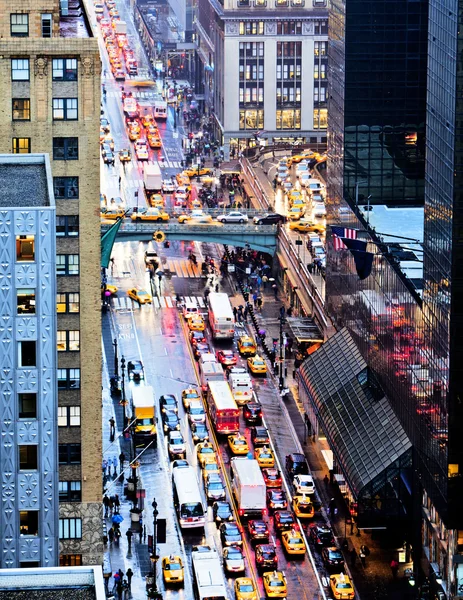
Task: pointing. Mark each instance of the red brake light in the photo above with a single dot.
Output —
(260, 559)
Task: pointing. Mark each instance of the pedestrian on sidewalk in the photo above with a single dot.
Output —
(120, 179)
(275, 290)
(289, 344)
(117, 504)
(111, 535)
(112, 429)
(332, 507)
(254, 299)
(240, 314)
(264, 281)
(282, 312)
(129, 535)
(326, 480)
(245, 313)
(394, 568)
(104, 466)
(119, 588)
(121, 461)
(140, 535)
(106, 505)
(117, 578)
(259, 303)
(111, 506)
(235, 313)
(364, 552)
(129, 576)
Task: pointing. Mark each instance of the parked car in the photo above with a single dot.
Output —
(296, 464)
(135, 370)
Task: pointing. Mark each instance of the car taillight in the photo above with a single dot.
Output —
(247, 414)
(260, 559)
(241, 512)
(264, 512)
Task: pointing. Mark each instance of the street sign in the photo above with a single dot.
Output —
(298, 242)
(231, 268)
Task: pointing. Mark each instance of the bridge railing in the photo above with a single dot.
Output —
(175, 227)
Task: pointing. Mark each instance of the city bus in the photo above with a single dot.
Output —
(187, 497)
(224, 412)
(221, 317)
(208, 576)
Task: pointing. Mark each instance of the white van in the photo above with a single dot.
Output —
(207, 357)
(241, 387)
(190, 309)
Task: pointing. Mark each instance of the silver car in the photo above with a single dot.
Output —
(176, 445)
(233, 216)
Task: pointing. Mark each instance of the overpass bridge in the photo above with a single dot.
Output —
(259, 237)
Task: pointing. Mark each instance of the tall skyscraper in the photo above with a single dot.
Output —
(262, 70)
(50, 98)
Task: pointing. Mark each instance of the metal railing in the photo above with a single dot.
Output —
(144, 227)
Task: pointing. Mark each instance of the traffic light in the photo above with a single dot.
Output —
(161, 531)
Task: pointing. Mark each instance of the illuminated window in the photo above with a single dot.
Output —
(288, 118)
(251, 119)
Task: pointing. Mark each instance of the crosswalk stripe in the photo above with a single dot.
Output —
(156, 302)
(162, 302)
(169, 301)
(201, 302)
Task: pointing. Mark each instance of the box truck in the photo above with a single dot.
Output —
(210, 371)
(144, 415)
(248, 487)
(152, 178)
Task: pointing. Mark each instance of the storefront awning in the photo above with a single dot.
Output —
(305, 330)
(362, 430)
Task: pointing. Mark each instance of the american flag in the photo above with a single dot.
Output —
(342, 232)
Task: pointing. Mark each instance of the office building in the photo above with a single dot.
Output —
(262, 70)
(50, 98)
(28, 399)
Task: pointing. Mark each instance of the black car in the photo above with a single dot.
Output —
(108, 158)
(135, 370)
(258, 531)
(259, 436)
(333, 559)
(253, 413)
(296, 464)
(200, 348)
(221, 511)
(284, 520)
(266, 557)
(168, 403)
(269, 219)
(230, 534)
(170, 422)
(321, 535)
(199, 433)
(276, 500)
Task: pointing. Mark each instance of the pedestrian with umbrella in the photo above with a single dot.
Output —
(117, 518)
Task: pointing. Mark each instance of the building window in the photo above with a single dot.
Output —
(68, 416)
(66, 188)
(68, 379)
(297, 3)
(28, 457)
(27, 354)
(68, 302)
(65, 109)
(47, 25)
(68, 340)
(70, 491)
(64, 69)
(242, 3)
(67, 264)
(289, 119)
(289, 27)
(19, 25)
(69, 454)
(281, 3)
(28, 522)
(321, 27)
(27, 406)
(21, 109)
(320, 118)
(25, 300)
(251, 119)
(67, 226)
(251, 28)
(20, 69)
(29, 564)
(70, 560)
(260, 3)
(70, 529)
(25, 248)
(66, 148)
(21, 145)
(320, 48)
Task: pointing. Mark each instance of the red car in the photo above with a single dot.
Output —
(197, 337)
(227, 357)
(272, 478)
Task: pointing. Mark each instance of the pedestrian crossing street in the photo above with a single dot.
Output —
(126, 303)
(178, 267)
(167, 164)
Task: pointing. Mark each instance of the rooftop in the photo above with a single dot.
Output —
(52, 583)
(74, 22)
(25, 181)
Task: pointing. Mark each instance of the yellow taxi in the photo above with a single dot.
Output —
(295, 194)
(150, 214)
(147, 120)
(157, 200)
(205, 452)
(210, 466)
(196, 324)
(341, 587)
(295, 213)
(197, 217)
(238, 444)
(192, 172)
(264, 457)
(245, 589)
(182, 179)
(293, 542)
(274, 584)
(125, 155)
(246, 345)
(188, 395)
(112, 213)
(152, 129)
(299, 202)
(306, 226)
(297, 158)
(154, 141)
(303, 507)
(139, 295)
(133, 134)
(109, 288)
(256, 365)
(172, 569)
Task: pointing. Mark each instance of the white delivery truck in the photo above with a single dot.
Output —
(152, 178)
(210, 371)
(248, 487)
(120, 28)
(241, 387)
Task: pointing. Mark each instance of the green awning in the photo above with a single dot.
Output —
(107, 243)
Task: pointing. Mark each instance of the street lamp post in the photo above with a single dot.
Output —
(153, 589)
(123, 400)
(116, 360)
(282, 355)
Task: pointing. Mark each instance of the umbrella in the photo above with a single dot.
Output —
(117, 518)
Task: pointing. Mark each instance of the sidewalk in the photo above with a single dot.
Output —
(375, 580)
